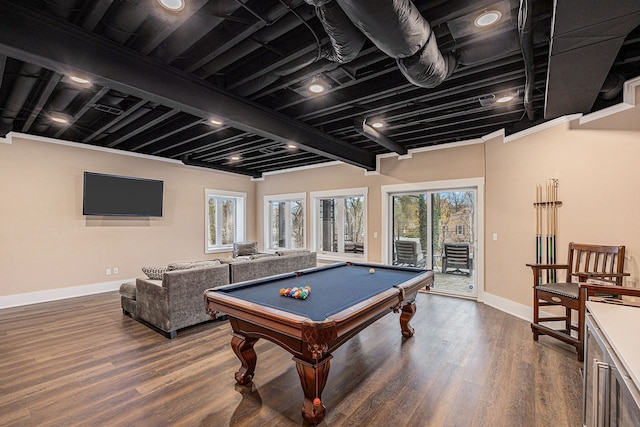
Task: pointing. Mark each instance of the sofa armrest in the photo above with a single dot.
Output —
(152, 303)
(185, 289)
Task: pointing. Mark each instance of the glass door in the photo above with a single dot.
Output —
(437, 230)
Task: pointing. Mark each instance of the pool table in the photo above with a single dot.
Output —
(345, 298)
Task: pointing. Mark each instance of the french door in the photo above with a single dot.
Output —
(442, 224)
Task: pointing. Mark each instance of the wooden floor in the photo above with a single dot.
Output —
(81, 362)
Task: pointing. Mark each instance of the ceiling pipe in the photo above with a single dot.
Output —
(398, 29)
(526, 44)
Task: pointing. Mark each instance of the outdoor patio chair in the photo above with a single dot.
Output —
(409, 253)
(456, 256)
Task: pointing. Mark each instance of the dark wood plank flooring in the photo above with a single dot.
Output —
(81, 362)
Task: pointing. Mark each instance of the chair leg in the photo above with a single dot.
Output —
(536, 316)
(581, 316)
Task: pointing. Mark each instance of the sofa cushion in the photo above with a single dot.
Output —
(258, 256)
(245, 248)
(235, 260)
(291, 251)
(193, 264)
(154, 273)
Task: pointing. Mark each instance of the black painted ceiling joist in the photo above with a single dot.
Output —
(37, 39)
(189, 161)
(367, 131)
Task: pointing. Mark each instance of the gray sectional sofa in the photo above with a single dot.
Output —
(263, 265)
(171, 297)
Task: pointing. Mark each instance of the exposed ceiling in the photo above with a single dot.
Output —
(157, 78)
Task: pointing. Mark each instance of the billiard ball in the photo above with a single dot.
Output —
(282, 291)
(371, 271)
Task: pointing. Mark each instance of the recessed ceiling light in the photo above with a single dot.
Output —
(487, 18)
(504, 98)
(79, 80)
(59, 119)
(215, 122)
(377, 125)
(316, 87)
(172, 5)
(235, 157)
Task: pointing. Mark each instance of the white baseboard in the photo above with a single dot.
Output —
(58, 294)
(521, 311)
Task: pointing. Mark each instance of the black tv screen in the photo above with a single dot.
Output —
(110, 195)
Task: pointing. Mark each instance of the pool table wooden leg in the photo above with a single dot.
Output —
(308, 377)
(408, 311)
(243, 348)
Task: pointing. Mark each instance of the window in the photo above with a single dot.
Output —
(460, 230)
(225, 219)
(340, 223)
(284, 224)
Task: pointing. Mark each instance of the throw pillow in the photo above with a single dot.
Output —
(154, 273)
(245, 248)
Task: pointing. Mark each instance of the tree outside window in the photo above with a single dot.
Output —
(342, 225)
(225, 219)
(285, 223)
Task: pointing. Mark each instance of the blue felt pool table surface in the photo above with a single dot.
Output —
(333, 288)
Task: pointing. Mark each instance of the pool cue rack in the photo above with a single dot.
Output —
(546, 206)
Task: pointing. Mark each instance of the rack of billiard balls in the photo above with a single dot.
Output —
(297, 293)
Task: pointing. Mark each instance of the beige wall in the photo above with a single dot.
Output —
(598, 168)
(435, 165)
(45, 241)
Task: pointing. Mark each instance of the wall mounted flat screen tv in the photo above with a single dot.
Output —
(111, 195)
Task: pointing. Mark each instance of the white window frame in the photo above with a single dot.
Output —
(477, 183)
(316, 224)
(267, 218)
(240, 220)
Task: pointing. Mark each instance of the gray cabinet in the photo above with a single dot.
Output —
(611, 397)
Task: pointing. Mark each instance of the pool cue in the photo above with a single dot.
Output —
(548, 226)
(555, 226)
(539, 227)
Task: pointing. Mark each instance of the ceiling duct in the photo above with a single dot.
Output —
(346, 40)
(29, 75)
(583, 48)
(398, 29)
(526, 43)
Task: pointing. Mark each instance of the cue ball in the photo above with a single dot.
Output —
(371, 271)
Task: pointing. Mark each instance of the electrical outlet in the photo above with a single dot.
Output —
(107, 272)
(115, 270)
